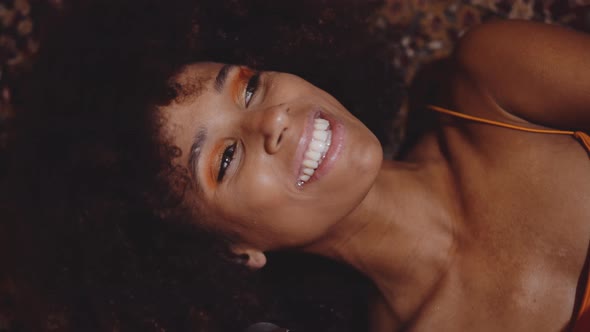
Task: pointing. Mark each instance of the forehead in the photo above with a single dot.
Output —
(193, 80)
(194, 86)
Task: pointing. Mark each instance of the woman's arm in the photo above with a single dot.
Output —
(538, 72)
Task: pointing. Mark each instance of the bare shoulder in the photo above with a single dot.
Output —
(525, 72)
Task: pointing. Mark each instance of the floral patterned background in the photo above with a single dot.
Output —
(425, 30)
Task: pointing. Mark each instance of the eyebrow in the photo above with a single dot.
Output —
(222, 77)
(195, 153)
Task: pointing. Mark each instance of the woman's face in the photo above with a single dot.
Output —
(275, 160)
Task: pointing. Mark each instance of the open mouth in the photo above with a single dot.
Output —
(316, 150)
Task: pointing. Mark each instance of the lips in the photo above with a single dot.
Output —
(319, 146)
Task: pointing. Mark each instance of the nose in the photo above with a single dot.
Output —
(272, 123)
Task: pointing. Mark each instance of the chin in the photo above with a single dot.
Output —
(371, 158)
(366, 157)
(363, 167)
(368, 164)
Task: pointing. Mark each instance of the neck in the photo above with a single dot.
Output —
(401, 236)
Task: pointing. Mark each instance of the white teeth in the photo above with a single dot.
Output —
(319, 145)
(313, 155)
(320, 135)
(321, 124)
(310, 163)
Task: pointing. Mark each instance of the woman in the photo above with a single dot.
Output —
(476, 228)
(470, 215)
(93, 234)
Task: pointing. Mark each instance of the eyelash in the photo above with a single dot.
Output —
(226, 159)
(228, 153)
(251, 88)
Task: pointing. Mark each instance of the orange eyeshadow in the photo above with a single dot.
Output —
(238, 83)
(214, 159)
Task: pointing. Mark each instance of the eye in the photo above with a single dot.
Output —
(251, 88)
(226, 159)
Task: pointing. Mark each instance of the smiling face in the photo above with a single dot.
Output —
(275, 161)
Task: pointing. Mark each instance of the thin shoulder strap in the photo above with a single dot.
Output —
(582, 323)
(581, 136)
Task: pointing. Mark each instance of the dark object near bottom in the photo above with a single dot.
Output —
(265, 327)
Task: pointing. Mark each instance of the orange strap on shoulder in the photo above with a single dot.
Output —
(583, 322)
(579, 135)
(583, 138)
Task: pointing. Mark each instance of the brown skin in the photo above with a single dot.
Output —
(258, 200)
(479, 229)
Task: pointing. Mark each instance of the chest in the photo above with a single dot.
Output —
(525, 233)
(523, 195)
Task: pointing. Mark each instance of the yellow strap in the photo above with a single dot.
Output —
(581, 136)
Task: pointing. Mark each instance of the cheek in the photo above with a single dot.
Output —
(277, 218)
(263, 194)
(265, 208)
(270, 215)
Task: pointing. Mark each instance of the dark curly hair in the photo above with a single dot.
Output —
(92, 234)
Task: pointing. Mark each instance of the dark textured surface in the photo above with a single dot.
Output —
(421, 31)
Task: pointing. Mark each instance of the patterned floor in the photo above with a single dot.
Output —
(421, 31)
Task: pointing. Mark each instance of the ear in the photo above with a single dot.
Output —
(252, 258)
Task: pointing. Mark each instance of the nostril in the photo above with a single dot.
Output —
(280, 139)
(281, 135)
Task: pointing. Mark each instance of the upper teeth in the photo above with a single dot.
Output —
(316, 151)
